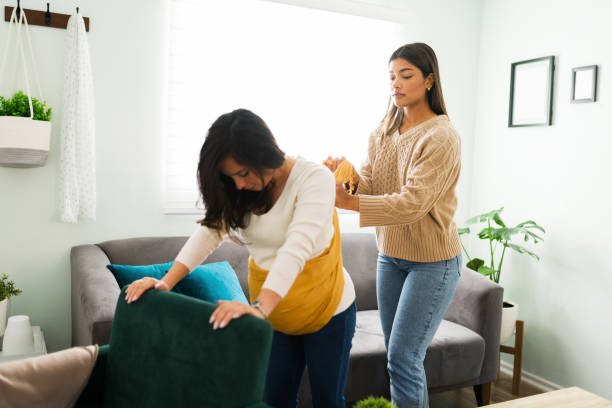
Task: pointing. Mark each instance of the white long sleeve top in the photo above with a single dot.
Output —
(299, 227)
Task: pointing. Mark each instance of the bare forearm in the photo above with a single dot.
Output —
(347, 201)
(268, 299)
(175, 274)
(352, 203)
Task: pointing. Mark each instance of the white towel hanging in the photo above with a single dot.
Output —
(77, 158)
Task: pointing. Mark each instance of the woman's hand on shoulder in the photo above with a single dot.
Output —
(140, 286)
(228, 310)
(332, 163)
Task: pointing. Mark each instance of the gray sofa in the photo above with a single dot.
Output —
(464, 352)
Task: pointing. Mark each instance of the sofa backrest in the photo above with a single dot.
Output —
(359, 255)
(142, 251)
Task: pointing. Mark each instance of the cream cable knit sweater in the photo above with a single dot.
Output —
(407, 190)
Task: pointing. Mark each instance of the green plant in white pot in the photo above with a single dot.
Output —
(25, 131)
(19, 106)
(7, 290)
(499, 237)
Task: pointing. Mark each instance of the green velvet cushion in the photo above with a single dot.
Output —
(93, 394)
(164, 353)
(210, 282)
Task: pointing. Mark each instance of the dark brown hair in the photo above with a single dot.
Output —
(424, 58)
(246, 138)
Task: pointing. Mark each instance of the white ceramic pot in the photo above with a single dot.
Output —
(509, 316)
(18, 337)
(24, 142)
(3, 307)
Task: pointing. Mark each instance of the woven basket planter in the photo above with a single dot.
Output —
(24, 142)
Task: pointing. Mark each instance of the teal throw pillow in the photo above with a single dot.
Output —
(209, 282)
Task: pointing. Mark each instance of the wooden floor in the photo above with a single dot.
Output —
(464, 398)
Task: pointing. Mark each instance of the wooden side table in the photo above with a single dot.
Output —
(517, 350)
(573, 397)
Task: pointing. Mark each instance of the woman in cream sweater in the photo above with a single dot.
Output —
(407, 191)
(282, 209)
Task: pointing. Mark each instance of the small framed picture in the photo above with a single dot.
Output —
(531, 92)
(584, 84)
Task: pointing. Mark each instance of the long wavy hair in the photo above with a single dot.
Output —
(424, 58)
(246, 138)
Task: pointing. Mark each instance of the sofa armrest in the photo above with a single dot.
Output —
(477, 305)
(94, 296)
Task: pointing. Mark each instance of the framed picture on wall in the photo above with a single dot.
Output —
(584, 84)
(531, 92)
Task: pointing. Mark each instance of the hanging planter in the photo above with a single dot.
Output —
(24, 139)
(25, 127)
(24, 142)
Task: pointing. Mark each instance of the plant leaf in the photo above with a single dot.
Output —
(498, 219)
(531, 224)
(522, 250)
(528, 234)
(490, 233)
(484, 217)
(486, 271)
(475, 263)
(462, 231)
(500, 234)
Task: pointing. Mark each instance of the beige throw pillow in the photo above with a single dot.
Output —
(52, 381)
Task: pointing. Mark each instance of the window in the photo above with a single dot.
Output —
(319, 79)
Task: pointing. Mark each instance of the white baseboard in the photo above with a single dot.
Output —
(531, 379)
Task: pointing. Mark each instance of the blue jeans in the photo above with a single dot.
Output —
(412, 300)
(325, 352)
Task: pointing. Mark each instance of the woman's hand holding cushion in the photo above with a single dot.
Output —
(140, 286)
(228, 310)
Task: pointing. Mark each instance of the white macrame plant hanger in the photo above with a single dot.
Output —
(24, 142)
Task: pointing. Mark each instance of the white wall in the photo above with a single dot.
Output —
(127, 43)
(127, 54)
(557, 176)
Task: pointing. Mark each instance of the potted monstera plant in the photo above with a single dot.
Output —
(500, 238)
(25, 131)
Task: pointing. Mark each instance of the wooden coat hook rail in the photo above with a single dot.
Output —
(43, 18)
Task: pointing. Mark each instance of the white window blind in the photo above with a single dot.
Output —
(319, 79)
